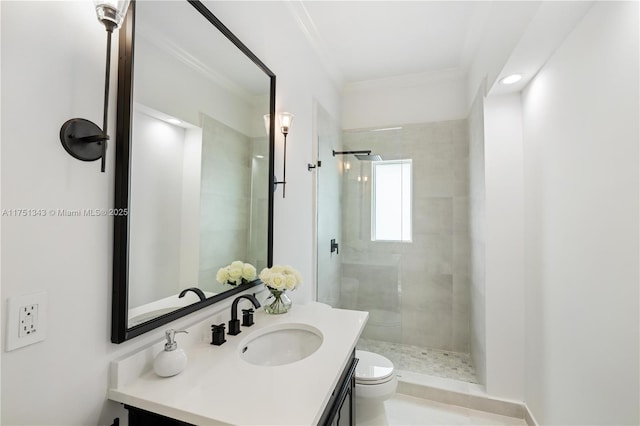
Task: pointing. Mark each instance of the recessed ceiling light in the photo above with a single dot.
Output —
(259, 156)
(173, 121)
(510, 79)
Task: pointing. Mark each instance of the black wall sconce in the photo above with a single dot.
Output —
(286, 119)
(82, 138)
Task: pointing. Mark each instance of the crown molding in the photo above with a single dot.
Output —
(168, 46)
(305, 23)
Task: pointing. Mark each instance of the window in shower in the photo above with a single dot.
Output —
(391, 200)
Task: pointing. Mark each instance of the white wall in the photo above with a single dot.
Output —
(581, 135)
(188, 92)
(506, 23)
(416, 98)
(53, 70)
(190, 215)
(265, 27)
(477, 225)
(504, 264)
(156, 209)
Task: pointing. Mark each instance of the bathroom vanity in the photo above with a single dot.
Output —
(228, 385)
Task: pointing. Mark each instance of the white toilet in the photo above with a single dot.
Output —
(375, 378)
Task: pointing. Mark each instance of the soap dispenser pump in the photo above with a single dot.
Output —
(172, 360)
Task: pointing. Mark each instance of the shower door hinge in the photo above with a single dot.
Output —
(313, 166)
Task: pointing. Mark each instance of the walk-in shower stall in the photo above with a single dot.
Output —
(393, 239)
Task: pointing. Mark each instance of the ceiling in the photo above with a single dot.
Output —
(369, 40)
(162, 24)
(396, 37)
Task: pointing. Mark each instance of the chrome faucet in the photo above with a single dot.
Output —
(234, 323)
(196, 290)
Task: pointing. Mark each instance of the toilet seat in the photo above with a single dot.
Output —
(373, 369)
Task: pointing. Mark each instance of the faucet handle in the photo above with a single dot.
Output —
(247, 317)
(217, 334)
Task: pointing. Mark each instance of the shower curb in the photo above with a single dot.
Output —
(462, 394)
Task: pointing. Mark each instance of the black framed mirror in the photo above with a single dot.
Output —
(194, 164)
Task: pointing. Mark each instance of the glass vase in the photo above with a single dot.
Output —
(277, 303)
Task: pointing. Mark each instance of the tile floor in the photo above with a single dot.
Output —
(450, 365)
(404, 410)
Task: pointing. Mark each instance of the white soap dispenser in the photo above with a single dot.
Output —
(172, 360)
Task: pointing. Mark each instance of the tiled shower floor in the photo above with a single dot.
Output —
(450, 365)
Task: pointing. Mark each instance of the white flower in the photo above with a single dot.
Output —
(265, 274)
(248, 272)
(277, 281)
(222, 276)
(281, 278)
(236, 273)
(290, 281)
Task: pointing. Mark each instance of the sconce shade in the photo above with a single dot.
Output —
(267, 122)
(111, 12)
(285, 121)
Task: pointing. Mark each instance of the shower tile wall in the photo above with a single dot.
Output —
(417, 293)
(225, 197)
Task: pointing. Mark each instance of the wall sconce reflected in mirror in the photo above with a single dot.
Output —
(285, 125)
(82, 138)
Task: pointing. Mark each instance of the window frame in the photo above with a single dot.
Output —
(374, 180)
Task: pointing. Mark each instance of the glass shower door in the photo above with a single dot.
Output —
(329, 211)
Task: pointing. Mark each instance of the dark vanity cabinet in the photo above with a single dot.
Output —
(138, 417)
(340, 410)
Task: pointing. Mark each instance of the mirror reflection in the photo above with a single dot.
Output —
(199, 160)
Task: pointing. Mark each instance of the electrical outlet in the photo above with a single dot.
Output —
(26, 320)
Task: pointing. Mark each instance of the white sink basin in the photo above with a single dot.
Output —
(281, 344)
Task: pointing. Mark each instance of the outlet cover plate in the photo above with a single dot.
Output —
(14, 307)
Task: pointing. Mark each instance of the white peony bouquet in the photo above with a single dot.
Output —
(281, 278)
(236, 273)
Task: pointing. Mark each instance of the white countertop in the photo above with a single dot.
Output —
(219, 387)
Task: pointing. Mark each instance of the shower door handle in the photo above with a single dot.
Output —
(334, 246)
